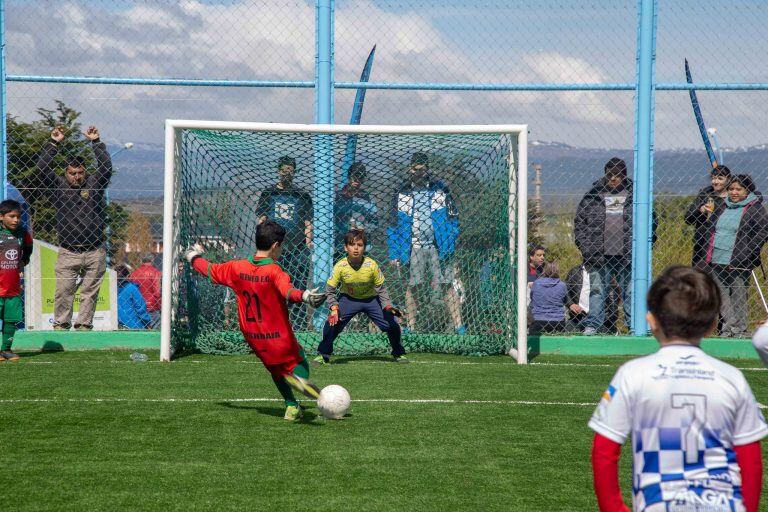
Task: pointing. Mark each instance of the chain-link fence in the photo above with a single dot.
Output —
(568, 70)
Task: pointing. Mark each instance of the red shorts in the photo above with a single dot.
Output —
(280, 357)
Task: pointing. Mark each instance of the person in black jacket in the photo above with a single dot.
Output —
(737, 231)
(707, 201)
(603, 233)
(78, 198)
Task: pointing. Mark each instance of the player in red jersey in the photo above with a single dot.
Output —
(15, 250)
(262, 289)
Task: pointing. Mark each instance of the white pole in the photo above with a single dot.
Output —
(760, 291)
(168, 249)
(522, 243)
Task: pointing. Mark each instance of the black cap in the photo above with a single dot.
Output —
(721, 170)
(616, 166)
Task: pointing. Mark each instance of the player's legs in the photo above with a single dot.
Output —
(95, 265)
(10, 312)
(286, 380)
(67, 270)
(599, 281)
(347, 311)
(417, 276)
(385, 321)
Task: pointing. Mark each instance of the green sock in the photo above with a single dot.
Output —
(8, 331)
(302, 369)
(286, 391)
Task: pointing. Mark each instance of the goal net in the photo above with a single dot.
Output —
(440, 205)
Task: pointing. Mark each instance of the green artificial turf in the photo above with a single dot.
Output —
(95, 431)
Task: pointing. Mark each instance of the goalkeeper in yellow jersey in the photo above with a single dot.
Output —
(357, 286)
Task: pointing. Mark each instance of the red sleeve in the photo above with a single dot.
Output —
(219, 273)
(284, 286)
(605, 470)
(749, 458)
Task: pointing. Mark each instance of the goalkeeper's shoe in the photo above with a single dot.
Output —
(7, 355)
(401, 359)
(293, 413)
(303, 386)
(321, 359)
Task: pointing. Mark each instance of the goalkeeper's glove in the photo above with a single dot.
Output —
(392, 309)
(193, 252)
(333, 316)
(313, 297)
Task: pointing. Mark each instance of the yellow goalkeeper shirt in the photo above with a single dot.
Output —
(360, 283)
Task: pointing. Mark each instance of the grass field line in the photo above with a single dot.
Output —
(265, 399)
(457, 363)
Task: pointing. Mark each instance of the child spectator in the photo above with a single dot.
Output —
(548, 295)
(694, 422)
(536, 255)
(707, 201)
(131, 307)
(361, 283)
(15, 251)
(147, 277)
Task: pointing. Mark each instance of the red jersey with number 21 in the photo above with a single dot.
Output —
(262, 288)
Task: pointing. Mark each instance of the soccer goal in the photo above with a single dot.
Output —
(443, 208)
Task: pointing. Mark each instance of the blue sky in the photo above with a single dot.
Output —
(445, 41)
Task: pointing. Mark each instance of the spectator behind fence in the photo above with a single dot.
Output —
(292, 208)
(423, 233)
(709, 199)
(536, 255)
(131, 307)
(577, 300)
(603, 233)
(78, 199)
(738, 229)
(353, 208)
(148, 278)
(548, 295)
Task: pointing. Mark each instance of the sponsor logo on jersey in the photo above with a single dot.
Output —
(608, 394)
(12, 254)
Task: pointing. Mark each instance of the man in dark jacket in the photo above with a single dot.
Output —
(80, 223)
(603, 234)
(707, 201)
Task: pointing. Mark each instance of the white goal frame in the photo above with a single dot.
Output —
(518, 218)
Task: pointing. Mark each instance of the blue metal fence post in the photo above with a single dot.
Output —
(642, 229)
(3, 106)
(323, 183)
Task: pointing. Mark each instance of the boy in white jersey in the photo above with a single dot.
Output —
(694, 423)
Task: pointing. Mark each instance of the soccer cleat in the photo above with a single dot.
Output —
(321, 359)
(293, 413)
(303, 386)
(401, 359)
(7, 355)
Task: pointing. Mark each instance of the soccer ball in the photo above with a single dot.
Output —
(333, 402)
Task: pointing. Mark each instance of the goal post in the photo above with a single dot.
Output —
(462, 272)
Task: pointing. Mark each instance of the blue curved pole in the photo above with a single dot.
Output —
(699, 117)
(357, 114)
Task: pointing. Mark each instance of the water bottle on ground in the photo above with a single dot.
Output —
(138, 357)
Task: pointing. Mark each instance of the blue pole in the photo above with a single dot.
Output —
(643, 175)
(323, 186)
(3, 106)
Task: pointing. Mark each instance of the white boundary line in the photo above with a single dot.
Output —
(363, 362)
(262, 399)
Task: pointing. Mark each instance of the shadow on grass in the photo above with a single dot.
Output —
(348, 359)
(266, 410)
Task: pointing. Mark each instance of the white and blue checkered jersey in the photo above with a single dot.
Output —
(685, 412)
